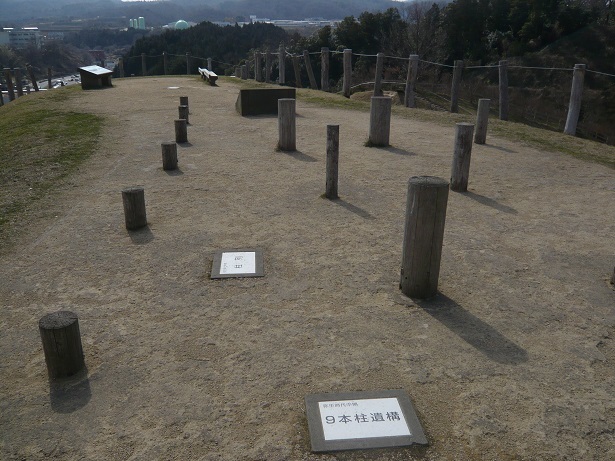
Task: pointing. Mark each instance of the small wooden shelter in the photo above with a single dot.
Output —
(94, 77)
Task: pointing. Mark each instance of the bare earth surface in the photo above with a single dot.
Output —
(513, 360)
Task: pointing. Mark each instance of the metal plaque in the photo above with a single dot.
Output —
(237, 263)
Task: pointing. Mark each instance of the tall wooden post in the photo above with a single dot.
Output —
(32, 78)
(286, 124)
(9, 84)
(310, 71)
(380, 121)
(244, 71)
(324, 69)
(460, 170)
(413, 69)
(49, 78)
(268, 65)
(297, 71)
(183, 113)
(333, 153)
(120, 64)
(165, 63)
(61, 344)
(143, 65)
(188, 62)
(503, 86)
(133, 199)
(574, 106)
(482, 120)
(169, 155)
(456, 85)
(423, 236)
(181, 130)
(257, 67)
(209, 65)
(18, 82)
(282, 65)
(347, 82)
(378, 76)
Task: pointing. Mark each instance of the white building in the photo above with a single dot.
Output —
(21, 38)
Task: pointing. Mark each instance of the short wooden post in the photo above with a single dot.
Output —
(456, 85)
(333, 153)
(297, 71)
(324, 69)
(237, 71)
(18, 82)
(244, 72)
(347, 82)
(574, 106)
(1, 99)
(413, 70)
(613, 277)
(169, 155)
(49, 78)
(257, 67)
(286, 124)
(380, 121)
(181, 130)
(32, 78)
(503, 87)
(120, 64)
(310, 71)
(188, 63)
(460, 171)
(9, 84)
(61, 344)
(282, 65)
(378, 76)
(183, 101)
(209, 65)
(423, 236)
(134, 207)
(482, 120)
(165, 63)
(143, 65)
(183, 113)
(268, 65)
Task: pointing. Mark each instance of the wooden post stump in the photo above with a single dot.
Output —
(378, 76)
(169, 156)
(61, 343)
(286, 124)
(333, 153)
(380, 121)
(181, 130)
(460, 171)
(183, 101)
(324, 69)
(413, 68)
(183, 113)
(503, 88)
(423, 236)
(134, 207)
(347, 82)
(482, 120)
(574, 105)
(310, 71)
(455, 85)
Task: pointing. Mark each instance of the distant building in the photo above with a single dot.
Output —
(141, 23)
(21, 38)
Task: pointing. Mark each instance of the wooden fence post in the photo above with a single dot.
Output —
(297, 71)
(380, 121)
(455, 85)
(503, 86)
(378, 76)
(18, 84)
(165, 63)
(120, 65)
(169, 155)
(134, 207)
(268, 65)
(574, 106)
(32, 78)
(209, 64)
(482, 120)
(310, 71)
(257, 67)
(286, 124)
(324, 69)
(49, 78)
(181, 130)
(183, 113)
(143, 65)
(188, 62)
(333, 153)
(61, 344)
(413, 68)
(347, 72)
(9, 84)
(244, 72)
(423, 236)
(282, 65)
(460, 171)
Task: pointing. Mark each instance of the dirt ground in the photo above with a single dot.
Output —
(514, 359)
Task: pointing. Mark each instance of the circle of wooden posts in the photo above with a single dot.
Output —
(134, 207)
(286, 124)
(460, 171)
(183, 113)
(181, 130)
(169, 155)
(380, 121)
(423, 235)
(333, 151)
(482, 120)
(61, 343)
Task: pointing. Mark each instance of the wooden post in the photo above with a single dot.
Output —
(120, 64)
(333, 153)
(282, 65)
(347, 82)
(286, 124)
(482, 120)
(380, 121)
(413, 70)
(61, 344)
(143, 65)
(18, 82)
(32, 78)
(244, 72)
(209, 65)
(165, 63)
(378, 76)
(574, 106)
(9, 84)
(257, 67)
(183, 113)
(181, 130)
(460, 171)
(503, 73)
(169, 155)
(49, 78)
(134, 207)
(423, 236)
(268, 65)
(455, 85)
(297, 71)
(183, 101)
(324, 69)
(188, 62)
(613, 277)
(310, 72)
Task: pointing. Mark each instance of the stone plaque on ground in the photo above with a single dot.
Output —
(237, 263)
(360, 420)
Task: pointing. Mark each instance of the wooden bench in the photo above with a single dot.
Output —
(208, 76)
